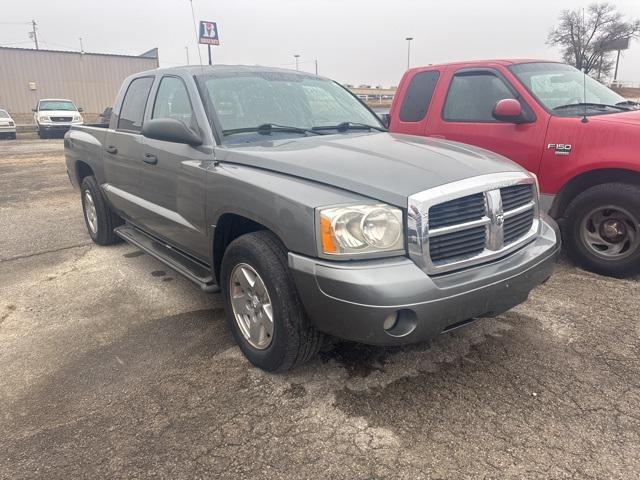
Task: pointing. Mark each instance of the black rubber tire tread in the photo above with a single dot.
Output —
(295, 339)
(623, 194)
(107, 219)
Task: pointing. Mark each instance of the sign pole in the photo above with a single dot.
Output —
(209, 48)
(615, 75)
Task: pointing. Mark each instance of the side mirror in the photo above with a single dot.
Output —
(385, 118)
(80, 109)
(509, 110)
(34, 109)
(170, 130)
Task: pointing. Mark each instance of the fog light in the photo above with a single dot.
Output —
(390, 321)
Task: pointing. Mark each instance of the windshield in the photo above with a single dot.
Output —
(56, 105)
(247, 100)
(4, 114)
(557, 85)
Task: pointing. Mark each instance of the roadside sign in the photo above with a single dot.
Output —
(619, 44)
(209, 33)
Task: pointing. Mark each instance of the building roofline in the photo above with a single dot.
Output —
(43, 50)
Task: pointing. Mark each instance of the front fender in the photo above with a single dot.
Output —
(282, 203)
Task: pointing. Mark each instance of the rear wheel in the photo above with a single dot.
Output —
(263, 309)
(98, 216)
(602, 229)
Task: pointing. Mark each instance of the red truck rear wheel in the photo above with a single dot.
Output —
(601, 229)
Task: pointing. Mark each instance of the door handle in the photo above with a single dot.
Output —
(150, 158)
(111, 149)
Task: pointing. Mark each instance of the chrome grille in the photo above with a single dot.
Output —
(516, 195)
(517, 226)
(460, 210)
(465, 223)
(61, 119)
(454, 244)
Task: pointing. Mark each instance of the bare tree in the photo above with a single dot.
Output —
(584, 36)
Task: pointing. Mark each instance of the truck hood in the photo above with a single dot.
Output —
(627, 118)
(383, 166)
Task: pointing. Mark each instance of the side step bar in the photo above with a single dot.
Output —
(190, 268)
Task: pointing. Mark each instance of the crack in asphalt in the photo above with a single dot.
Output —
(44, 252)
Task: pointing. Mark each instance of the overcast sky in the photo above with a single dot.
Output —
(354, 41)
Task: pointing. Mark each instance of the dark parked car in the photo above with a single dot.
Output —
(105, 117)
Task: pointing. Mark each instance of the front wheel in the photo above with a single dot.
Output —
(602, 229)
(263, 309)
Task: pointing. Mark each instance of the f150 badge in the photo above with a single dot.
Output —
(560, 148)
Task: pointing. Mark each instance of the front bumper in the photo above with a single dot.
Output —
(351, 301)
(7, 129)
(54, 127)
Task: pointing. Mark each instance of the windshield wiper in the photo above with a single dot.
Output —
(589, 104)
(627, 103)
(344, 126)
(267, 128)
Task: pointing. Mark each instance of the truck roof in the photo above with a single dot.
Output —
(204, 69)
(482, 63)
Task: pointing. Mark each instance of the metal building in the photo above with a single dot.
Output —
(90, 80)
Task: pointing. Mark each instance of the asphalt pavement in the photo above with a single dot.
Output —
(113, 366)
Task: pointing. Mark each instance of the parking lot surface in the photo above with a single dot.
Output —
(114, 366)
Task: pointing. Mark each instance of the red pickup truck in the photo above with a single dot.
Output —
(579, 137)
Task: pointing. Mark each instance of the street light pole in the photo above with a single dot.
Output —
(297, 57)
(408, 39)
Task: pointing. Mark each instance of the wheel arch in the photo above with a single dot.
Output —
(589, 179)
(231, 225)
(82, 170)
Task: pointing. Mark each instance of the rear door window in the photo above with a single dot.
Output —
(132, 111)
(472, 97)
(418, 97)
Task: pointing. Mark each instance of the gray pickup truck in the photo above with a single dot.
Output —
(286, 191)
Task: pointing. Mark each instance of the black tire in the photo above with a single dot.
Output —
(12, 136)
(105, 219)
(294, 340)
(621, 195)
(39, 133)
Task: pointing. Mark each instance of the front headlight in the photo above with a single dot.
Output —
(77, 118)
(44, 119)
(360, 229)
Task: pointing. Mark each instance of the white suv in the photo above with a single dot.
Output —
(55, 116)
